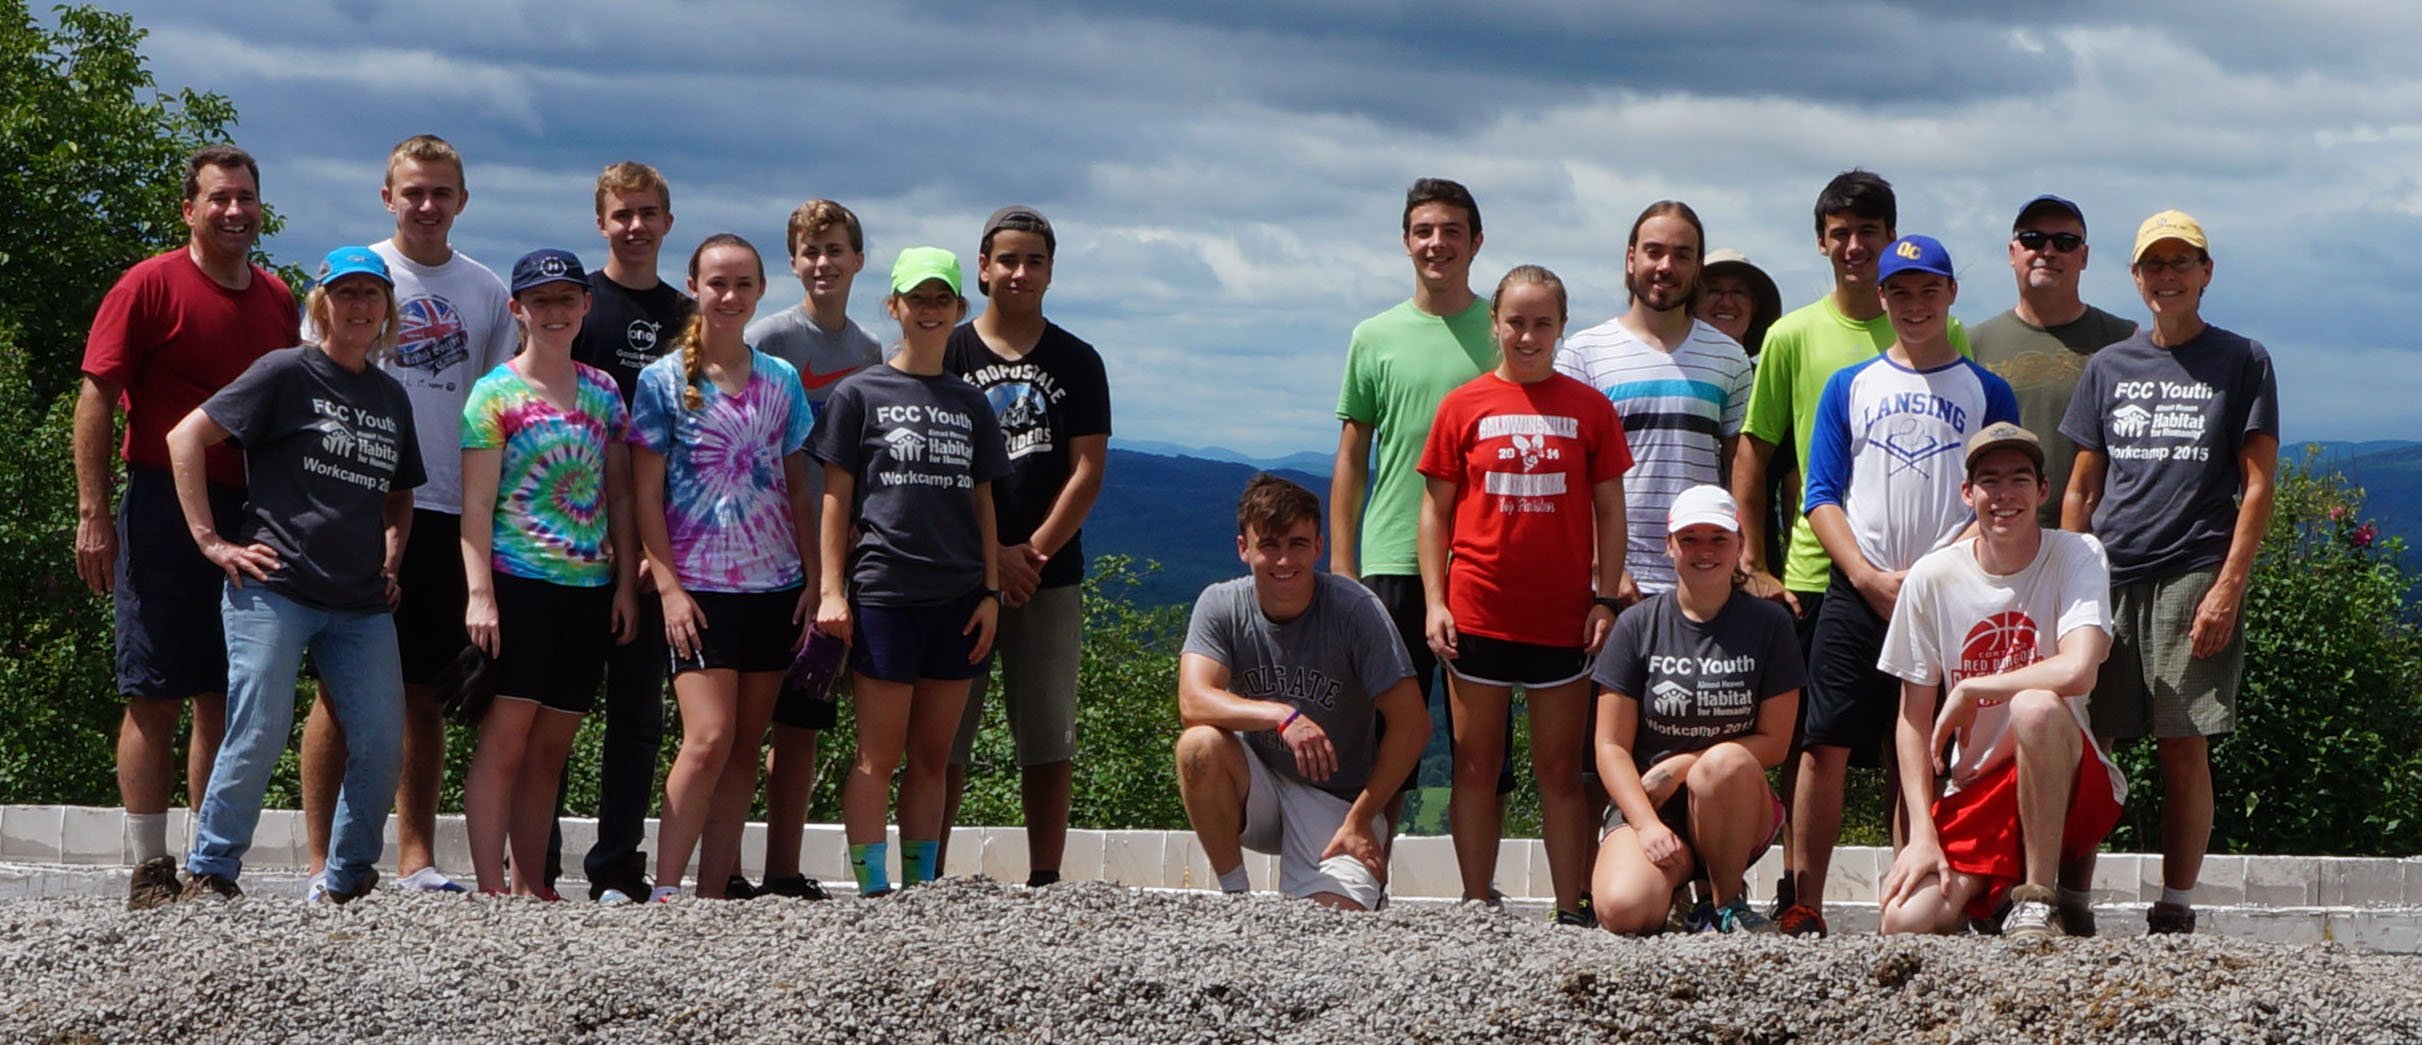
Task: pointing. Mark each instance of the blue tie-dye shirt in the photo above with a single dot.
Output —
(726, 503)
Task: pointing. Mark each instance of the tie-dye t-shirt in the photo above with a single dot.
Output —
(726, 503)
(550, 495)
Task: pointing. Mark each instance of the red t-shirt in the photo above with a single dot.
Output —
(170, 336)
(1524, 460)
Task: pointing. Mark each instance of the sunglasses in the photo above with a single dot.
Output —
(2064, 242)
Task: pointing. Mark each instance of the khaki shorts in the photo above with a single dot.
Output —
(2153, 684)
(1296, 820)
(1036, 653)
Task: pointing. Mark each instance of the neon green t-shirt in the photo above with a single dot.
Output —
(1399, 364)
(1802, 351)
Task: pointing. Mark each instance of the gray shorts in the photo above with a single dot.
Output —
(2153, 684)
(1036, 653)
(1296, 820)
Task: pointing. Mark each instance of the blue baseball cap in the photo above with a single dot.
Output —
(547, 265)
(2046, 202)
(352, 261)
(1914, 254)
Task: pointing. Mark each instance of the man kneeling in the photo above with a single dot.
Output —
(2028, 787)
(1300, 710)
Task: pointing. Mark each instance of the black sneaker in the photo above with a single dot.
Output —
(630, 880)
(1040, 879)
(796, 887)
(208, 886)
(341, 897)
(154, 884)
(1575, 918)
(737, 888)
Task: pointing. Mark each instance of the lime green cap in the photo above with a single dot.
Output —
(918, 264)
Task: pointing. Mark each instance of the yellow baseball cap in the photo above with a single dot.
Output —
(2169, 224)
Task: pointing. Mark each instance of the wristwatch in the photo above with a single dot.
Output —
(1612, 605)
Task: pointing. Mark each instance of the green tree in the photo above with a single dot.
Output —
(92, 165)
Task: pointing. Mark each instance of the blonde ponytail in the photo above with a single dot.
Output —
(693, 336)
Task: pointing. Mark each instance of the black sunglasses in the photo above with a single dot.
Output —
(2064, 242)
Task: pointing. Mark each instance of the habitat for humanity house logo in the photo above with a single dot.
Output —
(906, 445)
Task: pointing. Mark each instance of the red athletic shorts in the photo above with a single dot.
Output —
(1978, 824)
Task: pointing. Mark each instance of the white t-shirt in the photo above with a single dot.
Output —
(1888, 447)
(1955, 621)
(1677, 410)
(456, 328)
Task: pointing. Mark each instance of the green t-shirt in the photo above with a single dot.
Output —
(1399, 364)
(1803, 349)
(2042, 365)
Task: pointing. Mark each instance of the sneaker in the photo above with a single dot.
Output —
(1575, 918)
(1799, 919)
(2032, 915)
(430, 880)
(613, 897)
(316, 890)
(629, 878)
(2076, 919)
(663, 894)
(341, 897)
(1739, 917)
(796, 887)
(1040, 879)
(154, 883)
(1786, 896)
(737, 888)
(1701, 919)
(208, 886)
(2169, 918)
(1677, 914)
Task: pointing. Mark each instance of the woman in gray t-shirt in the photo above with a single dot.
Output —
(1698, 692)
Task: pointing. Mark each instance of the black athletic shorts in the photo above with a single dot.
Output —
(429, 619)
(741, 630)
(553, 640)
(171, 644)
(1504, 662)
(1850, 703)
(907, 643)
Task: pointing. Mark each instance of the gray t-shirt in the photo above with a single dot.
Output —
(1330, 662)
(1698, 684)
(2171, 421)
(822, 357)
(323, 446)
(2042, 365)
(917, 446)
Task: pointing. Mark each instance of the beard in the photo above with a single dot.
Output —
(1659, 299)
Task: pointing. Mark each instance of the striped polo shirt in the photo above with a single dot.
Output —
(1677, 410)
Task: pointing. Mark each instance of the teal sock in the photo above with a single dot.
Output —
(868, 862)
(917, 859)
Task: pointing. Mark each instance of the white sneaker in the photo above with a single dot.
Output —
(429, 880)
(663, 894)
(615, 896)
(2030, 916)
(317, 891)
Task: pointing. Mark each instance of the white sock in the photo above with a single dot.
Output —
(2075, 897)
(1234, 880)
(146, 835)
(2181, 897)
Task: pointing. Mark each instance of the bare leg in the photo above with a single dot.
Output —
(790, 771)
(323, 775)
(416, 792)
(2186, 808)
(1045, 792)
(489, 790)
(1213, 780)
(1730, 813)
(550, 742)
(1933, 908)
(933, 721)
(882, 714)
(1559, 716)
(727, 811)
(1816, 819)
(2049, 745)
(1627, 892)
(1474, 813)
(202, 748)
(710, 708)
(147, 753)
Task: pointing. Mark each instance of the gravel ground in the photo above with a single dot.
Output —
(970, 960)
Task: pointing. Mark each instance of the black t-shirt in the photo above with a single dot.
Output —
(1697, 683)
(323, 446)
(916, 446)
(1056, 393)
(627, 329)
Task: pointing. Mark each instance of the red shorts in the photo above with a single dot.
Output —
(1978, 825)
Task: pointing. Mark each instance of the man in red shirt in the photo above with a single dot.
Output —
(172, 331)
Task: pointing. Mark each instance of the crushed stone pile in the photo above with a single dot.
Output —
(972, 960)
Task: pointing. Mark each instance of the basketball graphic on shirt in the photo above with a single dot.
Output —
(2005, 641)
(432, 338)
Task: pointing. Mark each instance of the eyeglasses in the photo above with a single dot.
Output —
(2181, 264)
(2064, 242)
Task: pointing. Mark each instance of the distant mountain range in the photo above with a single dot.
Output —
(1176, 505)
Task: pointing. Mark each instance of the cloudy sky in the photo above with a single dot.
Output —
(1226, 177)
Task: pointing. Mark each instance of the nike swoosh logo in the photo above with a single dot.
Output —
(814, 380)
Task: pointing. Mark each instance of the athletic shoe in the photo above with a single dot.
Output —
(630, 879)
(341, 897)
(2076, 919)
(429, 880)
(1739, 917)
(796, 887)
(2032, 915)
(1702, 918)
(1677, 913)
(1575, 918)
(154, 883)
(316, 890)
(2169, 918)
(737, 888)
(1799, 919)
(663, 894)
(1786, 895)
(208, 886)
(614, 897)
(1040, 879)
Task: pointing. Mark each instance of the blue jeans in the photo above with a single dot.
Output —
(357, 660)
